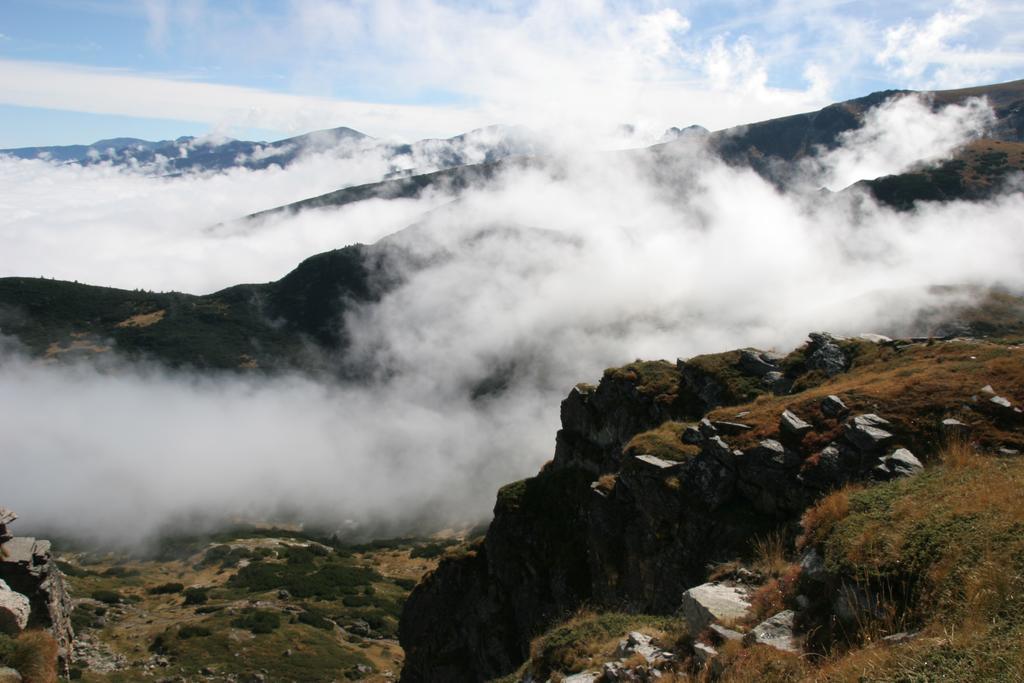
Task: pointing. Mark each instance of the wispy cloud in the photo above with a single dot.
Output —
(935, 54)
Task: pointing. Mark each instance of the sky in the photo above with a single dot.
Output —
(75, 71)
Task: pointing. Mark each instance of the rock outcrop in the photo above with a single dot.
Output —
(616, 529)
(30, 578)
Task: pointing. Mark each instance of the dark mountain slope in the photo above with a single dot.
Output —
(769, 147)
(288, 323)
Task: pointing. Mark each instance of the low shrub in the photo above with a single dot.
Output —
(258, 621)
(109, 597)
(192, 631)
(196, 595)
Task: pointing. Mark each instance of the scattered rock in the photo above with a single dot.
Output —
(776, 632)
(833, 406)
(866, 432)
(731, 428)
(15, 609)
(1003, 450)
(987, 390)
(792, 425)
(636, 643)
(711, 602)
(951, 425)
(900, 463)
(9, 675)
(359, 627)
(825, 355)
(584, 677)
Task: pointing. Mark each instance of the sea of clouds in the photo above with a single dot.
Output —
(542, 279)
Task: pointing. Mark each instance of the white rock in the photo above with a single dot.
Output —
(712, 602)
(584, 677)
(14, 610)
(776, 632)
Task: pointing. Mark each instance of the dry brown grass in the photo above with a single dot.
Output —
(606, 482)
(958, 453)
(913, 388)
(35, 657)
(664, 441)
(819, 520)
(143, 319)
(770, 553)
(760, 664)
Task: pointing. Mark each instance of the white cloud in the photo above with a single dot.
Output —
(934, 54)
(108, 91)
(897, 135)
(550, 276)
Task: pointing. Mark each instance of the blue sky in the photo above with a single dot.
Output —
(80, 71)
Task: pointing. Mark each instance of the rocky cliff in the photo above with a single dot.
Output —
(662, 471)
(32, 590)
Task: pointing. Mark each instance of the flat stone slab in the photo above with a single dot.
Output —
(652, 462)
(585, 677)
(19, 550)
(714, 602)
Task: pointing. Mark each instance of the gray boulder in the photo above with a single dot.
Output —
(833, 406)
(714, 602)
(772, 454)
(792, 425)
(866, 432)
(15, 609)
(775, 632)
(825, 355)
(900, 463)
